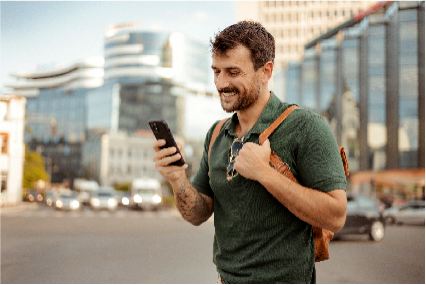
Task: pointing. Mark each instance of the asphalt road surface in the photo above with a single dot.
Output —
(44, 246)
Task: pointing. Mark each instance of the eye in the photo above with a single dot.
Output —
(233, 73)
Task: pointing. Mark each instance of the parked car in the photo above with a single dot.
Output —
(145, 193)
(123, 198)
(412, 212)
(50, 198)
(363, 217)
(104, 198)
(67, 201)
(33, 196)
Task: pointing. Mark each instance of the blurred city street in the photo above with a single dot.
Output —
(41, 245)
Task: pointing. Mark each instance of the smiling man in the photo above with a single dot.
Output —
(263, 220)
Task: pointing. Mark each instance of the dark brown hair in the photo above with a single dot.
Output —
(249, 34)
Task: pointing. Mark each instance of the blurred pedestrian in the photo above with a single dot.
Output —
(262, 219)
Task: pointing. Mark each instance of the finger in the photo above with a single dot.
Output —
(167, 160)
(247, 148)
(179, 145)
(157, 144)
(162, 153)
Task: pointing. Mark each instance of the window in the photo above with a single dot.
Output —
(4, 141)
(3, 181)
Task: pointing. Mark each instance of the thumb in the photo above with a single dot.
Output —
(267, 144)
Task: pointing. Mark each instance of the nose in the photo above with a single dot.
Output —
(221, 81)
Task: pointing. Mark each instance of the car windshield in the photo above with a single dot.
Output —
(366, 202)
(146, 191)
(68, 196)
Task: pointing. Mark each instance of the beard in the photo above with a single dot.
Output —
(243, 100)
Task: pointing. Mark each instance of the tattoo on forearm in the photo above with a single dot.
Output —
(192, 205)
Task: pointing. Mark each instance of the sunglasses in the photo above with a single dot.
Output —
(237, 145)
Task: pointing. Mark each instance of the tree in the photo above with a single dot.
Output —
(34, 169)
(122, 186)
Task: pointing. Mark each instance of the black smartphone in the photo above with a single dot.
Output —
(161, 131)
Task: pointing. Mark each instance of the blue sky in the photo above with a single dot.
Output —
(54, 32)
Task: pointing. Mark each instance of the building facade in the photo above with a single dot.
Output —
(294, 23)
(379, 59)
(12, 148)
(117, 157)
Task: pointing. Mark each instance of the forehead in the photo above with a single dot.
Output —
(238, 57)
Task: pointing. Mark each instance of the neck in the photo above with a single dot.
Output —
(248, 117)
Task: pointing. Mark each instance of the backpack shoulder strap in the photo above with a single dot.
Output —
(266, 133)
(344, 160)
(275, 160)
(216, 131)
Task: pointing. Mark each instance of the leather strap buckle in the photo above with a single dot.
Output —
(283, 164)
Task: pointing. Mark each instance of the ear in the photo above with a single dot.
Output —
(267, 71)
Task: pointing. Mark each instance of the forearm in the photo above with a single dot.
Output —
(325, 210)
(194, 207)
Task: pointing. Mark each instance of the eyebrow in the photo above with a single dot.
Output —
(228, 68)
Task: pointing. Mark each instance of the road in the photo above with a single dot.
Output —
(44, 246)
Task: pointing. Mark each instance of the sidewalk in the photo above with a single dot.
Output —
(20, 207)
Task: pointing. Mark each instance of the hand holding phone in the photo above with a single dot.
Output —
(161, 131)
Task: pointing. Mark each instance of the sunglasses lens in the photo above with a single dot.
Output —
(236, 146)
(230, 168)
(235, 149)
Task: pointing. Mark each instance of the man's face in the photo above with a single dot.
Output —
(236, 80)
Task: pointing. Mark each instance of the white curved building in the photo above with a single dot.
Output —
(88, 73)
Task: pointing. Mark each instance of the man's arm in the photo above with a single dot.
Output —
(194, 206)
(325, 210)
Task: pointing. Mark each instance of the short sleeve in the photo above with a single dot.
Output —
(319, 162)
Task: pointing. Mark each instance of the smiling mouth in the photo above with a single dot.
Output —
(228, 94)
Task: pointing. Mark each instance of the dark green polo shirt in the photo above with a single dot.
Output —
(257, 239)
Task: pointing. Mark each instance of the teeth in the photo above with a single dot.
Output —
(228, 94)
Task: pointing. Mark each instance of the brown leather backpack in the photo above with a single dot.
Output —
(322, 237)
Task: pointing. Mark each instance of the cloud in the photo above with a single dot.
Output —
(200, 15)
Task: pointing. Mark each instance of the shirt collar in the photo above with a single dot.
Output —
(265, 120)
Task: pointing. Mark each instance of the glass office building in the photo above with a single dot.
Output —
(142, 75)
(143, 70)
(371, 67)
(55, 120)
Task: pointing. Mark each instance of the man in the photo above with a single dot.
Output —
(262, 220)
